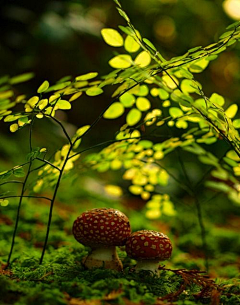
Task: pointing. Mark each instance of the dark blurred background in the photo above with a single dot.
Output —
(58, 38)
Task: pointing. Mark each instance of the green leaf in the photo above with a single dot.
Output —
(4, 202)
(21, 78)
(218, 186)
(82, 130)
(127, 30)
(6, 94)
(233, 25)
(143, 104)
(18, 172)
(64, 105)
(149, 44)
(133, 117)
(209, 159)
(127, 99)
(93, 91)
(188, 86)
(87, 76)
(230, 162)
(145, 144)
(175, 112)
(217, 99)
(114, 111)
(236, 123)
(226, 34)
(143, 59)
(121, 61)
(44, 86)
(14, 127)
(231, 111)
(163, 94)
(123, 14)
(131, 45)
(117, 2)
(59, 86)
(112, 37)
(199, 65)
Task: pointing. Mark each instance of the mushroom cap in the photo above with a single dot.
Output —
(148, 244)
(102, 227)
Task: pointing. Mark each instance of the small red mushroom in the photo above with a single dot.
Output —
(102, 229)
(148, 247)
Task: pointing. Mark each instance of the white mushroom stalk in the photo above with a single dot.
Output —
(102, 229)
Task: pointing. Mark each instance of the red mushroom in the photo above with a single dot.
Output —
(148, 247)
(102, 229)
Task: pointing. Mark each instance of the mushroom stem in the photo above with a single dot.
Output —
(150, 264)
(106, 257)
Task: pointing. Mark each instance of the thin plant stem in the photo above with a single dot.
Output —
(21, 195)
(18, 214)
(25, 196)
(52, 204)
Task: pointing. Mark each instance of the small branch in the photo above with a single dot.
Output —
(47, 162)
(25, 196)
(61, 125)
(11, 181)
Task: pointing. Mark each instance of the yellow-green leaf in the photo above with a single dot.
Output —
(4, 202)
(143, 59)
(63, 104)
(112, 37)
(33, 101)
(87, 76)
(113, 190)
(114, 111)
(122, 61)
(82, 130)
(44, 86)
(135, 189)
(131, 45)
(217, 99)
(143, 104)
(170, 81)
(236, 123)
(43, 103)
(133, 117)
(175, 112)
(163, 94)
(75, 96)
(127, 99)
(14, 127)
(231, 111)
(21, 78)
(93, 91)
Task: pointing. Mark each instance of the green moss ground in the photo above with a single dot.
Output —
(61, 279)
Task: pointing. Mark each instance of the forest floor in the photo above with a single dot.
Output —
(62, 279)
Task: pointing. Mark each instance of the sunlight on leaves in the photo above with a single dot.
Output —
(114, 111)
(112, 37)
(122, 61)
(85, 77)
(44, 86)
(93, 91)
(131, 45)
(133, 117)
(143, 59)
(231, 111)
(113, 190)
